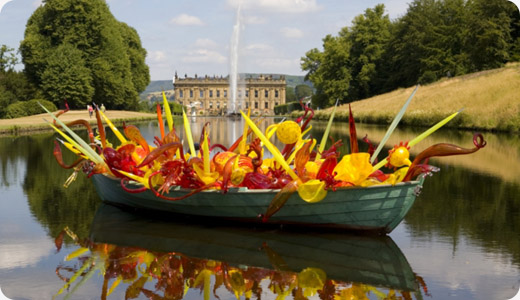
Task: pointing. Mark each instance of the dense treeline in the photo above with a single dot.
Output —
(434, 39)
(13, 84)
(75, 50)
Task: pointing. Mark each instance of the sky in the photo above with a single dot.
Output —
(195, 37)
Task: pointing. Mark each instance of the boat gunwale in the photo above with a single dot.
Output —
(245, 190)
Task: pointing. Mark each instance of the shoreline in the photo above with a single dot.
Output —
(37, 124)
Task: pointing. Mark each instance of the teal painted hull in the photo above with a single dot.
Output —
(377, 208)
(373, 260)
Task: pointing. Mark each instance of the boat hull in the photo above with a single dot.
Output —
(378, 208)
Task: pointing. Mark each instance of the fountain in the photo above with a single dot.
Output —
(233, 71)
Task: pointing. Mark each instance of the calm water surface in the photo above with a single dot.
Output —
(461, 240)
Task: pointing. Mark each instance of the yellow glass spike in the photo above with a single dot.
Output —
(205, 152)
(276, 154)
(419, 138)
(326, 134)
(168, 112)
(243, 142)
(189, 137)
(78, 147)
(113, 127)
(141, 180)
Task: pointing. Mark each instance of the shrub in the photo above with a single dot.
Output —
(28, 108)
(292, 106)
(280, 109)
(176, 108)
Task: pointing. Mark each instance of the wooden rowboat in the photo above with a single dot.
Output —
(369, 260)
(377, 208)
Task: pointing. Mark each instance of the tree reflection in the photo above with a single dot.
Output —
(50, 203)
(482, 207)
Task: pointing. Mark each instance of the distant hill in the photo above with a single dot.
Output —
(293, 81)
(165, 85)
(158, 86)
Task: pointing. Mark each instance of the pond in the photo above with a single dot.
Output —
(461, 239)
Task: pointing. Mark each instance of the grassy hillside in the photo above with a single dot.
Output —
(490, 99)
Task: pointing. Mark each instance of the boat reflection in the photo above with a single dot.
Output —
(159, 259)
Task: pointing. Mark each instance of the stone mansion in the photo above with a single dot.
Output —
(210, 95)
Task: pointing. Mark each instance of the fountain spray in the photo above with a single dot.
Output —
(233, 73)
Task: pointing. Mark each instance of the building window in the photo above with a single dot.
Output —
(239, 93)
(266, 94)
(211, 93)
(225, 93)
(247, 93)
(211, 105)
(191, 93)
(218, 93)
(180, 94)
(256, 104)
(266, 104)
(276, 103)
(247, 105)
(256, 93)
(218, 104)
(201, 94)
(276, 94)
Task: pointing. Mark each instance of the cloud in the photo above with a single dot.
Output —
(254, 20)
(292, 33)
(24, 253)
(205, 43)
(2, 3)
(186, 20)
(258, 48)
(157, 56)
(204, 56)
(279, 6)
(278, 64)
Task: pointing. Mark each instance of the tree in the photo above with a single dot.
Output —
(347, 67)
(13, 84)
(107, 60)
(290, 96)
(136, 54)
(67, 77)
(6, 98)
(514, 52)
(412, 50)
(329, 70)
(369, 36)
(7, 59)
(302, 91)
(438, 38)
(490, 37)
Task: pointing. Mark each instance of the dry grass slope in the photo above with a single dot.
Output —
(490, 99)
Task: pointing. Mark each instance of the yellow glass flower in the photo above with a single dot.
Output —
(312, 168)
(288, 132)
(312, 191)
(237, 282)
(399, 156)
(354, 168)
(311, 280)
